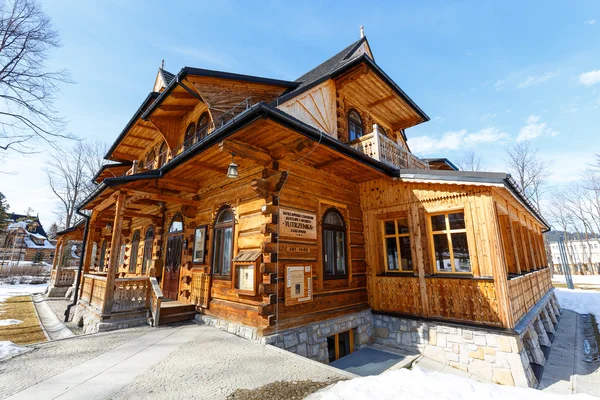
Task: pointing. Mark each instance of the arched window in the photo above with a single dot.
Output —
(355, 125)
(223, 243)
(102, 255)
(162, 154)
(150, 160)
(188, 139)
(135, 245)
(334, 244)
(147, 249)
(202, 125)
(176, 224)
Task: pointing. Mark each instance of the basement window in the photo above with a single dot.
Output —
(340, 345)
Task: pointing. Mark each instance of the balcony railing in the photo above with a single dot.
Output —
(384, 149)
(202, 133)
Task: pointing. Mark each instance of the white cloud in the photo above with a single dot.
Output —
(536, 80)
(533, 129)
(487, 116)
(590, 22)
(499, 85)
(455, 140)
(590, 78)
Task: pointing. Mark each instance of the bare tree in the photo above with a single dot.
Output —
(27, 88)
(471, 162)
(529, 171)
(70, 176)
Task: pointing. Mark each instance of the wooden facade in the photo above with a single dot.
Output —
(297, 234)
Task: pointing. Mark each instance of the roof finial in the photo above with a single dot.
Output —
(362, 32)
(162, 64)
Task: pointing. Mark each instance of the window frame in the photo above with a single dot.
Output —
(147, 253)
(187, 135)
(133, 254)
(206, 115)
(222, 227)
(356, 122)
(334, 228)
(397, 236)
(162, 155)
(448, 232)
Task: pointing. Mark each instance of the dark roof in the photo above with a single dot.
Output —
(109, 166)
(167, 76)
(71, 229)
(476, 177)
(145, 104)
(443, 161)
(19, 217)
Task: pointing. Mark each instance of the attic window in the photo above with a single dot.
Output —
(188, 139)
(202, 125)
(355, 127)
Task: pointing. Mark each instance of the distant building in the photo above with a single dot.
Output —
(26, 240)
(583, 256)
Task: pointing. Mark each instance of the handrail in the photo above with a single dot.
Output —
(156, 296)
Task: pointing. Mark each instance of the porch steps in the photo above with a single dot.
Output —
(174, 311)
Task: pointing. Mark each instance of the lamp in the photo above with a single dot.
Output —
(232, 169)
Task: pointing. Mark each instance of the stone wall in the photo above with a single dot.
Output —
(92, 322)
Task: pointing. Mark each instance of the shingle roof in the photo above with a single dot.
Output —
(167, 76)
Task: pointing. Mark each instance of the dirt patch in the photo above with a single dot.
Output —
(281, 390)
(29, 330)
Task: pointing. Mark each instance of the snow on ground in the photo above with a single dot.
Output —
(7, 322)
(9, 349)
(579, 279)
(420, 384)
(580, 301)
(7, 291)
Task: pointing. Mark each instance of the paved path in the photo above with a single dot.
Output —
(560, 366)
(52, 326)
(186, 361)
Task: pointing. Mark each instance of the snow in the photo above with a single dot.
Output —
(420, 384)
(9, 349)
(7, 291)
(579, 279)
(580, 301)
(7, 322)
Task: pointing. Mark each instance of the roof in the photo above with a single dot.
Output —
(109, 166)
(441, 161)
(22, 217)
(167, 76)
(247, 256)
(493, 178)
(78, 225)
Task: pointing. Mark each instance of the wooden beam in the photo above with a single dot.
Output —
(245, 150)
(109, 201)
(139, 137)
(175, 107)
(113, 261)
(351, 76)
(132, 146)
(165, 198)
(381, 101)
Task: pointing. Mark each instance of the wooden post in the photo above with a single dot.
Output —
(418, 253)
(376, 141)
(514, 244)
(113, 260)
(89, 246)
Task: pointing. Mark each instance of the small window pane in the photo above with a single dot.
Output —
(403, 225)
(340, 253)
(333, 218)
(438, 222)
(227, 247)
(329, 252)
(457, 220)
(442, 253)
(462, 262)
(389, 228)
(225, 216)
(391, 253)
(217, 250)
(176, 225)
(406, 254)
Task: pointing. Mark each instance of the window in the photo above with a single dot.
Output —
(202, 125)
(449, 242)
(355, 127)
(122, 255)
(340, 345)
(334, 244)
(150, 160)
(176, 224)
(147, 249)
(102, 255)
(135, 245)
(396, 237)
(223, 243)
(162, 154)
(189, 135)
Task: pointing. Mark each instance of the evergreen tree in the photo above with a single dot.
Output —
(3, 213)
(38, 257)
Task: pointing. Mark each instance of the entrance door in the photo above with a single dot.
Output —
(172, 266)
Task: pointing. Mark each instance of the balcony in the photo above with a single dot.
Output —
(378, 146)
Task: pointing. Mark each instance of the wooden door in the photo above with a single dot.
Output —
(172, 266)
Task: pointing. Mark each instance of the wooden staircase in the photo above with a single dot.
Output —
(174, 311)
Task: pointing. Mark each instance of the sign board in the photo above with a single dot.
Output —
(244, 280)
(297, 224)
(298, 284)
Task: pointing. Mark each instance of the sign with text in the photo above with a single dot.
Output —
(298, 284)
(297, 224)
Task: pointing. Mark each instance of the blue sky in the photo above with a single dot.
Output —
(488, 73)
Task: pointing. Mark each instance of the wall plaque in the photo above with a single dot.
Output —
(298, 284)
(297, 224)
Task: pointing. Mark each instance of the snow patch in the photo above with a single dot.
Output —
(7, 291)
(579, 279)
(9, 349)
(420, 384)
(7, 322)
(580, 301)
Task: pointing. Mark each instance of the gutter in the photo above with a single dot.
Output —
(80, 268)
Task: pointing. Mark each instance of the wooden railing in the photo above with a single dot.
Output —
(525, 290)
(384, 149)
(156, 297)
(200, 289)
(94, 287)
(66, 277)
(131, 294)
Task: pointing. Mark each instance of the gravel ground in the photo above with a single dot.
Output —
(51, 358)
(216, 364)
(58, 305)
(280, 391)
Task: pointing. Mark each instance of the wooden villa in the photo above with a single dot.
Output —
(294, 213)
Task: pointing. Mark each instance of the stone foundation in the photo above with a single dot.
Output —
(91, 320)
(508, 358)
(247, 332)
(57, 291)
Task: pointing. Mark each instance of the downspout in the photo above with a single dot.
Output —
(80, 269)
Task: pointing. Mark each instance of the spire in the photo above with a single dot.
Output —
(162, 64)
(362, 32)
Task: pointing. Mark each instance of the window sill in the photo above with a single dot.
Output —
(334, 277)
(402, 274)
(221, 277)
